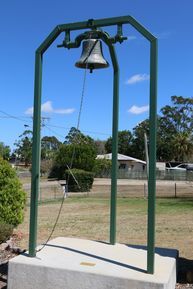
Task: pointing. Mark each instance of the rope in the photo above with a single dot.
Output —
(74, 150)
(79, 115)
(55, 224)
(69, 167)
(81, 103)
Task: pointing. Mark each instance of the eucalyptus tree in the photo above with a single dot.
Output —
(49, 146)
(24, 147)
(125, 139)
(176, 126)
(174, 131)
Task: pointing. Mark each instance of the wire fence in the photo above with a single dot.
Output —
(139, 189)
(51, 191)
(172, 175)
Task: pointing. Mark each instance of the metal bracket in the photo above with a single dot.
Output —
(95, 33)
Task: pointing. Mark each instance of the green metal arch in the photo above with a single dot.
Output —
(94, 24)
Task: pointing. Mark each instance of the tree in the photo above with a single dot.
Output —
(125, 139)
(100, 146)
(24, 147)
(183, 146)
(176, 124)
(178, 118)
(73, 156)
(138, 144)
(77, 152)
(4, 151)
(174, 132)
(79, 156)
(75, 136)
(102, 168)
(49, 145)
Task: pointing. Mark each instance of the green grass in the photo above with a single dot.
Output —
(163, 205)
(174, 205)
(89, 217)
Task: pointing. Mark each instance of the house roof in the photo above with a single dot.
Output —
(120, 157)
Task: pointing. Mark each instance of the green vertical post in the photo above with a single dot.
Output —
(152, 158)
(35, 155)
(114, 146)
(36, 151)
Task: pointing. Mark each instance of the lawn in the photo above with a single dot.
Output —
(88, 217)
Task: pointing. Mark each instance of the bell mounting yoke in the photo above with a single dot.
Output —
(96, 34)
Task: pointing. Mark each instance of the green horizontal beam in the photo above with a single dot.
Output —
(107, 22)
(90, 24)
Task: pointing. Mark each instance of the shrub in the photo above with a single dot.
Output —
(81, 156)
(57, 172)
(84, 180)
(12, 196)
(102, 168)
(45, 167)
(6, 231)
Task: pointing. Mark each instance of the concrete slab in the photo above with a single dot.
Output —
(84, 264)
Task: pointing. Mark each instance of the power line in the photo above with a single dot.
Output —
(85, 131)
(7, 115)
(13, 116)
(62, 136)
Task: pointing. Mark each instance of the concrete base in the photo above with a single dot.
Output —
(83, 264)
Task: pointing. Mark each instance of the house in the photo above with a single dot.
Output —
(125, 162)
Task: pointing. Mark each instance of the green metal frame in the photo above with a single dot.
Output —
(93, 25)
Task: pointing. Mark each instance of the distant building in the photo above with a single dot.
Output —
(126, 163)
(161, 166)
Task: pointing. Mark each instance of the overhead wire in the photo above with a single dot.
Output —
(84, 131)
(13, 116)
(49, 126)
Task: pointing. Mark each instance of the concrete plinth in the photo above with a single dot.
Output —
(83, 264)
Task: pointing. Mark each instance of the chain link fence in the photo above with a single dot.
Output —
(170, 175)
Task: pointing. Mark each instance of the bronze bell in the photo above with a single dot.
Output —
(92, 55)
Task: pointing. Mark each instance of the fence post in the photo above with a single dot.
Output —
(145, 191)
(175, 190)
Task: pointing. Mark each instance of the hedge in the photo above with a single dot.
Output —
(84, 180)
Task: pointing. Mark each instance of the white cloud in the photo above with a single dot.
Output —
(138, 109)
(137, 78)
(48, 108)
(29, 111)
(64, 111)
